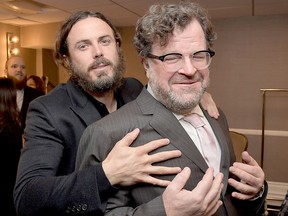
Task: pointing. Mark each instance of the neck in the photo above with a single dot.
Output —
(106, 98)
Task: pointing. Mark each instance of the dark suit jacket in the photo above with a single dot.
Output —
(155, 122)
(56, 123)
(29, 95)
(11, 144)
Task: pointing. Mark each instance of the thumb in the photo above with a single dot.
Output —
(180, 179)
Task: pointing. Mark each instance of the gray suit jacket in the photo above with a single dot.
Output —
(155, 122)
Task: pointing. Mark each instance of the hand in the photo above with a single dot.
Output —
(127, 165)
(251, 175)
(202, 200)
(208, 104)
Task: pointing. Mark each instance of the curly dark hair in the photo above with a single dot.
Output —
(160, 21)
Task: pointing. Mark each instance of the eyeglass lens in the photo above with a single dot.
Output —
(174, 62)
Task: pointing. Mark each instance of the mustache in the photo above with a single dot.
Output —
(197, 77)
(98, 61)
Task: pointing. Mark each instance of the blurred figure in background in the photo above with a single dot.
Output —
(15, 69)
(36, 82)
(11, 143)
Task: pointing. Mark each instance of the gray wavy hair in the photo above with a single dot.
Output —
(161, 19)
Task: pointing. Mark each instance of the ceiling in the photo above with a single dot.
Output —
(124, 12)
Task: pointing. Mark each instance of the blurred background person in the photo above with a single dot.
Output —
(11, 143)
(15, 69)
(36, 82)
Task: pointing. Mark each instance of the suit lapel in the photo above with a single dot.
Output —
(81, 105)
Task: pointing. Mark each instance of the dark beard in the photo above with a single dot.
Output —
(103, 85)
(18, 84)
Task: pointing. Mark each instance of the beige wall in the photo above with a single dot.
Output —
(134, 67)
(3, 51)
(251, 53)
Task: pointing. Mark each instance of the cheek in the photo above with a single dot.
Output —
(79, 61)
(206, 75)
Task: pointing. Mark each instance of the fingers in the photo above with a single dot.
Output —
(213, 112)
(248, 159)
(210, 188)
(204, 185)
(208, 104)
(245, 191)
(201, 200)
(155, 181)
(251, 175)
(180, 179)
(129, 138)
(160, 170)
(213, 196)
(162, 156)
(214, 208)
(153, 145)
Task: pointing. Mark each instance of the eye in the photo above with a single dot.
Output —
(199, 56)
(105, 41)
(172, 58)
(82, 46)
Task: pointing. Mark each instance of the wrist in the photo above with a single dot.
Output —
(260, 193)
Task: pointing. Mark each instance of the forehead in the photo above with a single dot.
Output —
(15, 60)
(191, 35)
(89, 27)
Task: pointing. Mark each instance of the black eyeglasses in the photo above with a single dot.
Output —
(174, 61)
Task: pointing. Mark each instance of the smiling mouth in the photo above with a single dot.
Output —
(188, 82)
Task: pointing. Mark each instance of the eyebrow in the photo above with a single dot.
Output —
(88, 40)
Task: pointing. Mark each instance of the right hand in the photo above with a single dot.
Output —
(127, 165)
(203, 200)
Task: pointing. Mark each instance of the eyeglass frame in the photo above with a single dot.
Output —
(162, 57)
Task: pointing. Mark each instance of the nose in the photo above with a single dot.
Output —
(20, 68)
(187, 67)
(97, 51)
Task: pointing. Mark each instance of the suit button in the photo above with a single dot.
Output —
(73, 209)
(68, 209)
(84, 207)
(78, 208)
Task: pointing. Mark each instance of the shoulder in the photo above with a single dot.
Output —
(130, 88)
(132, 81)
(56, 96)
(32, 92)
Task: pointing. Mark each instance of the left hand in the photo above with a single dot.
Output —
(208, 104)
(252, 178)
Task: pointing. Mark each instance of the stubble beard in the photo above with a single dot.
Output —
(19, 84)
(177, 103)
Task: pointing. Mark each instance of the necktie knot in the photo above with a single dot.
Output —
(195, 120)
